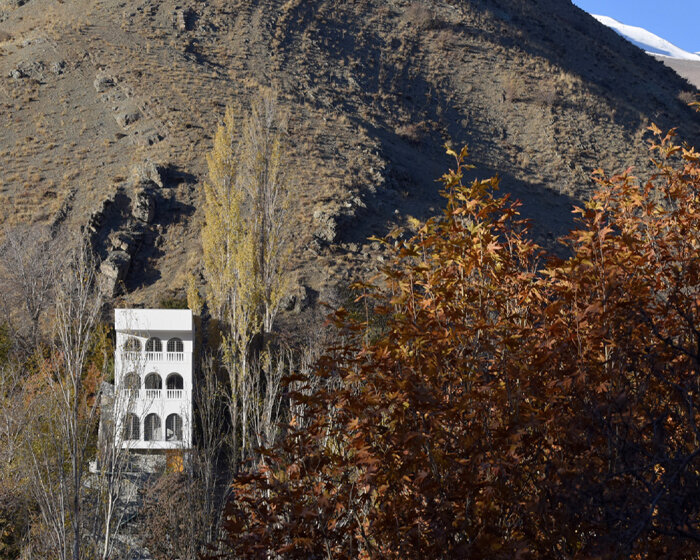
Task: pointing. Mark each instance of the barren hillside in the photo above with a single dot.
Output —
(90, 90)
(688, 69)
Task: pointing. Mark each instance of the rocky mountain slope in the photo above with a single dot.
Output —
(109, 108)
(689, 69)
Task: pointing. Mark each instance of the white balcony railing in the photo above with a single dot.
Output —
(132, 356)
(151, 394)
(136, 357)
(130, 394)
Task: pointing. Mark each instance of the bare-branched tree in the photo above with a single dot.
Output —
(15, 504)
(110, 493)
(210, 404)
(30, 264)
(62, 408)
(264, 396)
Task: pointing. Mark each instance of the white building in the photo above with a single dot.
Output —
(153, 378)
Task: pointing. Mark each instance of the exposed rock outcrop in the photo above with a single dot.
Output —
(144, 206)
(297, 300)
(327, 226)
(126, 117)
(102, 83)
(123, 223)
(148, 172)
(113, 272)
(332, 224)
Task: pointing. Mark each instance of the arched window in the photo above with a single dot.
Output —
(152, 428)
(154, 381)
(132, 344)
(175, 345)
(174, 381)
(131, 427)
(173, 428)
(154, 344)
(131, 382)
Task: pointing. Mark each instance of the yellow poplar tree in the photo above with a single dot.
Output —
(265, 183)
(246, 241)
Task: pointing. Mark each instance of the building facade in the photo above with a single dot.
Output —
(153, 378)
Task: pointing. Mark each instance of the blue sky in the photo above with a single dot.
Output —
(677, 21)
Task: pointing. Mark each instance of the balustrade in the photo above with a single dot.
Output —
(132, 356)
(153, 393)
(136, 357)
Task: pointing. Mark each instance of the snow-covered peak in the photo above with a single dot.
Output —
(646, 40)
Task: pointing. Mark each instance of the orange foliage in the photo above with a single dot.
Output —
(510, 409)
(623, 354)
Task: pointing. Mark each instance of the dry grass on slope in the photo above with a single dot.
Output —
(374, 89)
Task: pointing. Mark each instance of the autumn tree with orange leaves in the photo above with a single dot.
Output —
(515, 405)
(620, 336)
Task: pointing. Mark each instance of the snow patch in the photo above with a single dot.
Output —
(646, 40)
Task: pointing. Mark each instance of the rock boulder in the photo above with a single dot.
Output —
(113, 271)
(144, 206)
(148, 172)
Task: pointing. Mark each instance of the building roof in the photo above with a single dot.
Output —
(139, 320)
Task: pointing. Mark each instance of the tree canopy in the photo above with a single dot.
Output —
(514, 404)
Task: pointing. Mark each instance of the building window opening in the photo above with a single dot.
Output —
(132, 382)
(132, 344)
(152, 428)
(153, 381)
(131, 385)
(131, 427)
(173, 428)
(174, 381)
(154, 345)
(175, 345)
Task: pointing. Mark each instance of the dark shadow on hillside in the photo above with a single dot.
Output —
(411, 184)
(114, 214)
(174, 175)
(636, 84)
(413, 189)
(144, 269)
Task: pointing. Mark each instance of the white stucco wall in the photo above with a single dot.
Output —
(164, 324)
